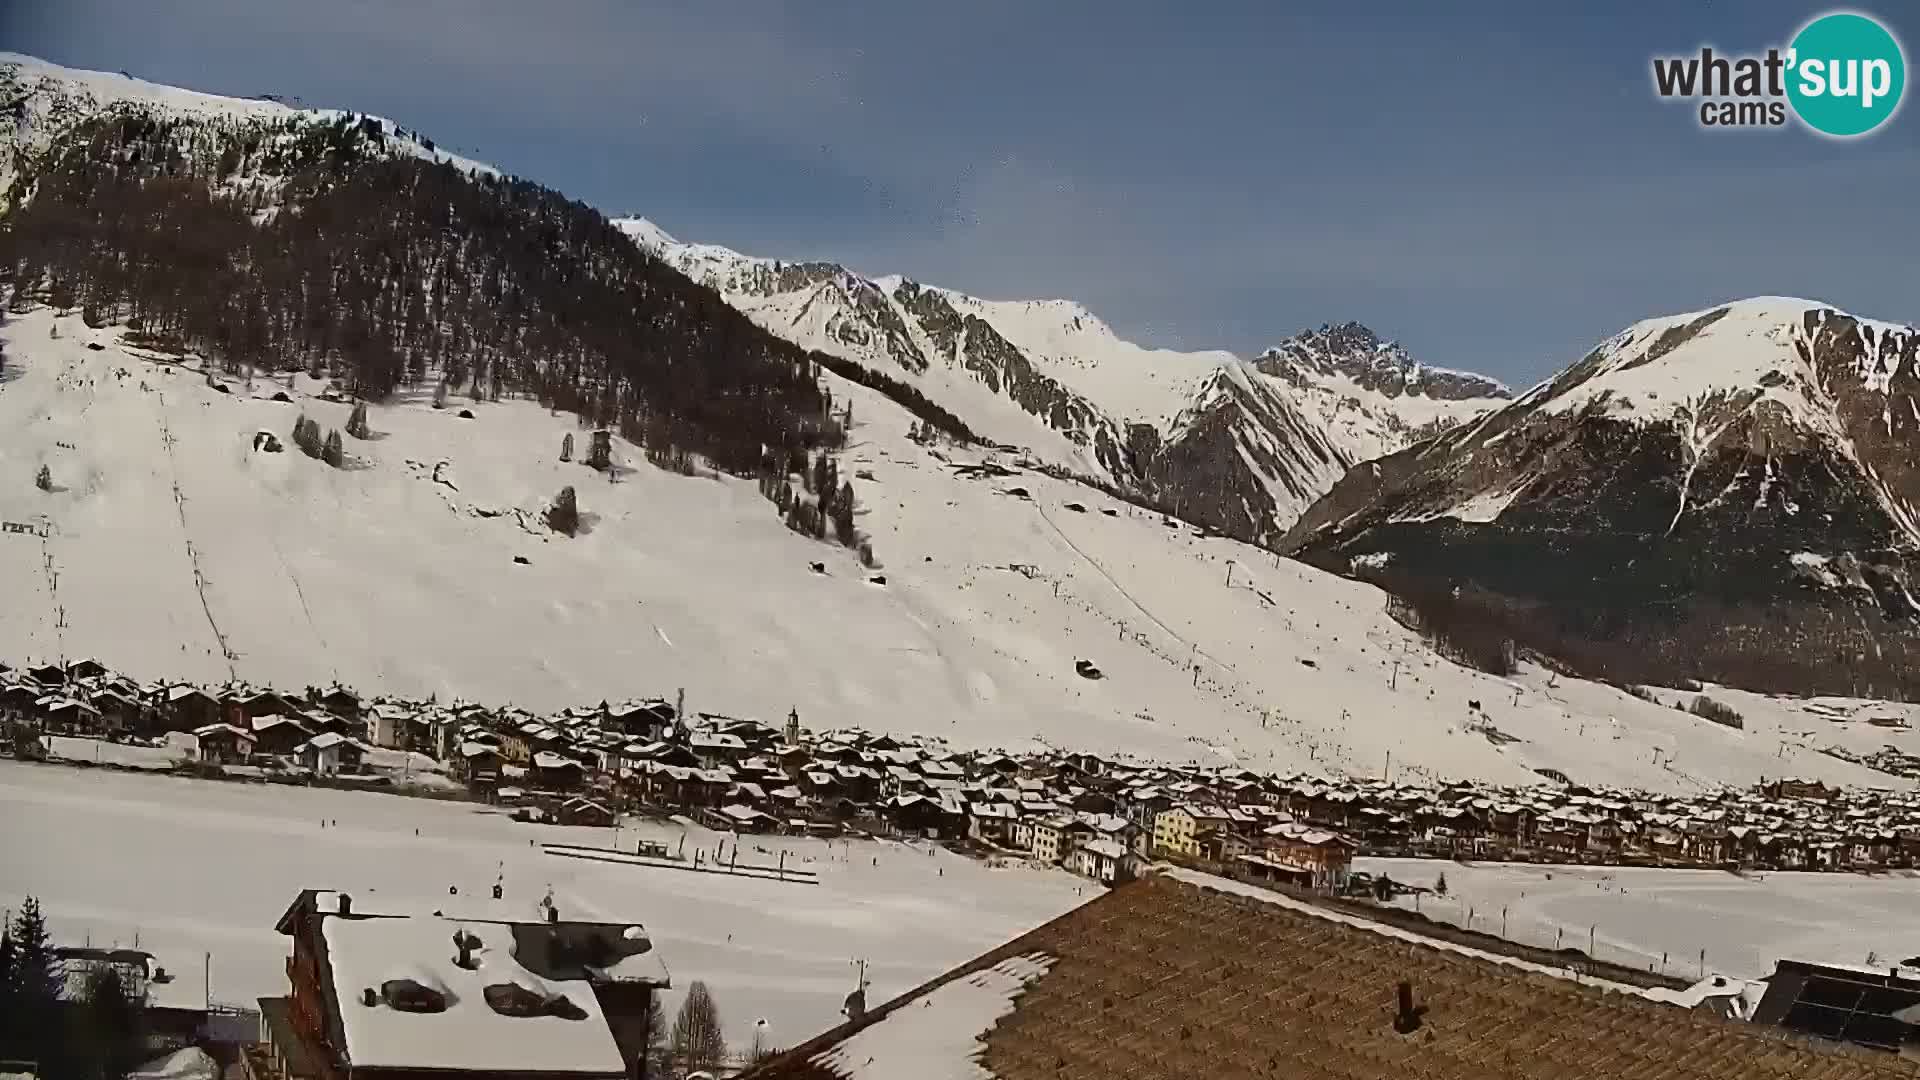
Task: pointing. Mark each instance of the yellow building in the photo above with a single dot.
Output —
(1177, 830)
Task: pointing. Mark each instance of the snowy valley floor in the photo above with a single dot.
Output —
(195, 867)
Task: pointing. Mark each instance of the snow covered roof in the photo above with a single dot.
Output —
(468, 1034)
(328, 739)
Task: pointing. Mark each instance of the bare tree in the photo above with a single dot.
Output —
(698, 1041)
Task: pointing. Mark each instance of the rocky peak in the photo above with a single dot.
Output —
(1351, 350)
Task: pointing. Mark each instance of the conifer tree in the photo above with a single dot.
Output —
(9, 960)
(843, 516)
(357, 423)
(34, 987)
(566, 447)
(564, 515)
(110, 1027)
(44, 479)
(334, 452)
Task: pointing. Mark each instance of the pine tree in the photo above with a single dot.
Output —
(334, 452)
(357, 423)
(566, 447)
(843, 516)
(9, 960)
(35, 986)
(440, 395)
(306, 436)
(564, 515)
(824, 480)
(44, 479)
(110, 1025)
(600, 455)
(698, 1042)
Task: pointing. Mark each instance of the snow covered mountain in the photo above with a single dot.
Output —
(402, 573)
(422, 564)
(1242, 451)
(1753, 469)
(41, 102)
(1242, 447)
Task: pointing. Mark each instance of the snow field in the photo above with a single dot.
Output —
(1636, 916)
(195, 867)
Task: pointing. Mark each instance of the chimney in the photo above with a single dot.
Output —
(1407, 1020)
(346, 904)
(496, 890)
(553, 914)
(463, 942)
(369, 998)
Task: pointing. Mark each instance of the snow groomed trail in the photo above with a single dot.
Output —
(186, 534)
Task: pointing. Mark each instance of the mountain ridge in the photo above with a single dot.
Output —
(1087, 400)
(1746, 472)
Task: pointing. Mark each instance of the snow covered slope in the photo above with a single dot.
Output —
(1237, 446)
(44, 101)
(1761, 457)
(173, 548)
(1046, 376)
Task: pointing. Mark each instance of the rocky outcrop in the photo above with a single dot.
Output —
(1354, 352)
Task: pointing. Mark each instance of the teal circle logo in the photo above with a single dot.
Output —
(1846, 74)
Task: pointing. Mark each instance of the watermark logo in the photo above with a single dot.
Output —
(1842, 75)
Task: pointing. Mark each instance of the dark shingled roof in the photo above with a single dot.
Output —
(1162, 978)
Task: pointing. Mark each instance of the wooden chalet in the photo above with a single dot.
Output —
(222, 744)
(187, 708)
(88, 668)
(331, 754)
(277, 735)
(340, 702)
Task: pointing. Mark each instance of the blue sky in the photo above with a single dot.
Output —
(1496, 186)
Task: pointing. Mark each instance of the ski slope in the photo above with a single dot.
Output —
(173, 549)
